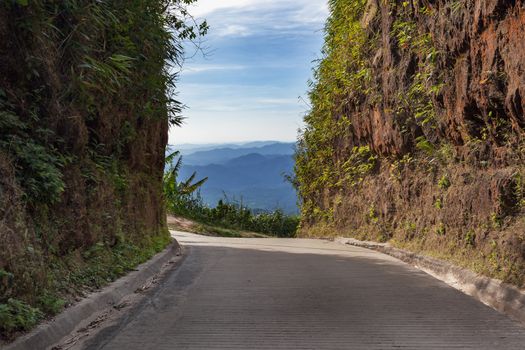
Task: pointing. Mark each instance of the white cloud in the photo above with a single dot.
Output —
(241, 99)
(205, 7)
(314, 12)
(248, 38)
(233, 30)
(277, 101)
(202, 68)
(252, 17)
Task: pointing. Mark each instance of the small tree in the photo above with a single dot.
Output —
(176, 193)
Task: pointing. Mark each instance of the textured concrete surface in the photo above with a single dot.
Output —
(303, 294)
(503, 297)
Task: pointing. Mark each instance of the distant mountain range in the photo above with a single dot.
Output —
(251, 173)
(224, 154)
(188, 148)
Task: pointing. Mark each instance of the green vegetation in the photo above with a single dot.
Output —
(418, 100)
(441, 229)
(372, 215)
(95, 268)
(16, 315)
(470, 238)
(393, 148)
(87, 93)
(213, 230)
(38, 165)
(175, 192)
(218, 231)
(237, 217)
(110, 64)
(496, 221)
(182, 199)
(444, 182)
(331, 157)
(343, 77)
(101, 264)
(424, 145)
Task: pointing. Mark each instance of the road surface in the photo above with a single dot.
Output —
(304, 294)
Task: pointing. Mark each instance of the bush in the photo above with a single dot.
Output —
(236, 216)
(50, 304)
(16, 315)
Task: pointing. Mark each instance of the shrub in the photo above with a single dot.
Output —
(16, 315)
(235, 216)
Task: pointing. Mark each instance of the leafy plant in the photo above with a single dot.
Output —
(444, 182)
(87, 89)
(176, 192)
(16, 315)
(38, 166)
(470, 238)
(372, 214)
(343, 77)
(230, 215)
(50, 304)
(424, 145)
(441, 229)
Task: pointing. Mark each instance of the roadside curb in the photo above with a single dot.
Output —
(500, 296)
(52, 331)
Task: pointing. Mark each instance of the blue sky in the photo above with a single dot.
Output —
(258, 59)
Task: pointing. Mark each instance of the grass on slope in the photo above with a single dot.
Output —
(182, 224)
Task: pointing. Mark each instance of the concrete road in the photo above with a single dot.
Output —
(304, 294)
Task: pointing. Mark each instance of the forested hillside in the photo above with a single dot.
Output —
(85, 105)
(416, 132)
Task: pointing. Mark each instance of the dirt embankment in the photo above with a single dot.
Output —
(429, 111)
(83, 128)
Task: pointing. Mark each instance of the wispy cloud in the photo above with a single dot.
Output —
(233, 30)
(258, 57)
(277, 101)
(205, 7)
(203, 68)
(255, 17)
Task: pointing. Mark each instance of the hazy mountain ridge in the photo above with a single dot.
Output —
(189, 148)
(253, 175)
(222, 155)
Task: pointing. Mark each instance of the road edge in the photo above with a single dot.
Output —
(52, 331)
(502, 297)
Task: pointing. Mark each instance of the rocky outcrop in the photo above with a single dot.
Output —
(418, 108)
(478, 65)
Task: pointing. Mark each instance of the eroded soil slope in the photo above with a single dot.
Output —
(84, 117)
(416, 130)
